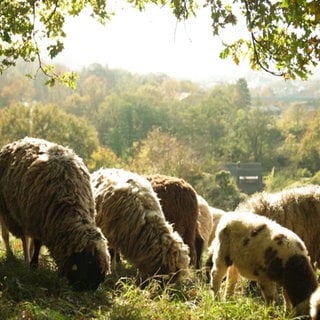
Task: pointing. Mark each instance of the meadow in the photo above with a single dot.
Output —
(27, 294)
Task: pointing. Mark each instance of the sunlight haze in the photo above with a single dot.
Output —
(149, 41)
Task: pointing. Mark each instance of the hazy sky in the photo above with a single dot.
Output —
(149, 41)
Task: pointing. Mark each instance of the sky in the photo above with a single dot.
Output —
(149, 42)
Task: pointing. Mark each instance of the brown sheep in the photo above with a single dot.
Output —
(45, 194)
(297, 209)
(179, 203)
(262, 250)
(130, 216)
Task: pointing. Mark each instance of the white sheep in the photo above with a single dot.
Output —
(262, 250)
(46, 195)
(130, 216)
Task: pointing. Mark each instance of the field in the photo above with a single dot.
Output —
(42, 294)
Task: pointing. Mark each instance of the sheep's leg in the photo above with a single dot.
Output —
(218, 272)
(208, 267)
(268, 289)
(115, 258)
(287, 302)
(35, 257)
(232, 279)
(199, 249)
(27, 248)
(5, 237)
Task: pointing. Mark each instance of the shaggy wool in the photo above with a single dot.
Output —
(130, 216)
(45, 194)
(179, 203)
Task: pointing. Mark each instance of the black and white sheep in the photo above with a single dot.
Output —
(45, 194)
(262, 250)
(297, 209)
(179, 203)
(130, 216)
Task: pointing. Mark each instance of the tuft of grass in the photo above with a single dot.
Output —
(43, 294)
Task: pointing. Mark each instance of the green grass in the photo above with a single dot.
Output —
(27, 294)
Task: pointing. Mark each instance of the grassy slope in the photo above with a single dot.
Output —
(42, 294)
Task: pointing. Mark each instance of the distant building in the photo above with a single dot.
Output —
(248, 176)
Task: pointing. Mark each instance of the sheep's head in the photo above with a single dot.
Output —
(85, 271)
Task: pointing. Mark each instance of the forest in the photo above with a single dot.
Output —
(153, 123)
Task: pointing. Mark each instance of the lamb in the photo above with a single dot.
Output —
(46, 195)
(179, 203)
(130, 216)
(297, 209)
(262, 250)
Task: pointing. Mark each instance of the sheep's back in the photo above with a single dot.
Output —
(40, 184)
(297, 209)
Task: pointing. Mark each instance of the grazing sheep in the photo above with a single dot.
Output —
(45, 194)
(297, 209)
(130, 216)
(315, 305)
(179, 203)
(262, 250)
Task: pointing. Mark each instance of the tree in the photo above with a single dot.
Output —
(241, 96)
(125, 119)
(283, 36)
(161, 152)
(26, 25)
(50, 123)
(309, 149)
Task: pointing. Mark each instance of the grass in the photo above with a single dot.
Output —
(27, 294)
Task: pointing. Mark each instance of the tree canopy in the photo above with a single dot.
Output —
(283, 36)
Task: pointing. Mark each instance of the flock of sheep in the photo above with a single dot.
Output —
(157, 223)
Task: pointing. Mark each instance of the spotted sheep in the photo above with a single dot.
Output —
(297, 209)
(46, 196)
(260, 249)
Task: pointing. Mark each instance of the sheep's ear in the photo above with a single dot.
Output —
(74, 267)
